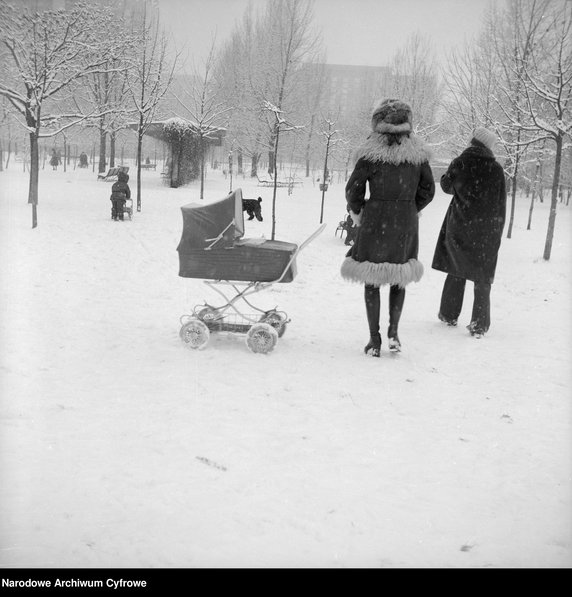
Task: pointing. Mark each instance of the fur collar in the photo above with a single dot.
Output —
(411, 149)
(479, 150)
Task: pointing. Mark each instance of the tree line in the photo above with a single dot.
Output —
(267, 86)
(89, 66)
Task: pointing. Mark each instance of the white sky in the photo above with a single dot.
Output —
(365, 32)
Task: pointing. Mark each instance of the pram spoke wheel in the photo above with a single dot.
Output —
(195, 334)
(262, 338)
(277, 321)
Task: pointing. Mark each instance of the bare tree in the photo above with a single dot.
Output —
(547, 81)
(204, 104)
(152, 75)
(332, 137)
(516, 33)
(278, 124)
(44, 55)
(106, 94)
(414, 79)
(470, 76)
(310, 95)
(235, 76)
(285, 38)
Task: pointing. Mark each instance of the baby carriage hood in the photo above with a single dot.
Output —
(215, 225)
(212, 246)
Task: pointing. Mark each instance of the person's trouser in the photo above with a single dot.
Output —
(118, 207)
(452, 302)
(372, 308)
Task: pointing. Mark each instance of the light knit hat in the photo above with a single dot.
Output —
(486, 137)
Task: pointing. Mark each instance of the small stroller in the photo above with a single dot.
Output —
(127, 209)
(212, 248)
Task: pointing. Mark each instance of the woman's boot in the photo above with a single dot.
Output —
(396, 300)
(372, 301)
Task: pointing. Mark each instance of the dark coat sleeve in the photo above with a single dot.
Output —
(448, 179)
(426, 187)
(355, 187)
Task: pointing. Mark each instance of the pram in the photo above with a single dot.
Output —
(212, 247)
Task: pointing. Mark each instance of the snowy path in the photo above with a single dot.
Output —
(119, 447)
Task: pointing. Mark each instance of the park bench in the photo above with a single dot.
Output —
(288, 182)
(112, 173)
(149, 166)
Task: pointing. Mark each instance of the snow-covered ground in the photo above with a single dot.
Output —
(120, 447)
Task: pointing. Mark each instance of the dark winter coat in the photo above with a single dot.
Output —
(400, 185)
(471, 233)
(120, 189)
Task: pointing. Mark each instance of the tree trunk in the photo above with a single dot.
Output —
(534, 185)
(9, 151)
(309, 146)
(272, 169)
(102, 143)
(254, 165)
(324, 178)
(516, 160)
(34, 176)
(112, 140)
(275, 154)
(202, 155)
(512, 201)
(554, 199)
(239, 162)
(139, 150)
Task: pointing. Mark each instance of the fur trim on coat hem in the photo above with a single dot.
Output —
(381, 274)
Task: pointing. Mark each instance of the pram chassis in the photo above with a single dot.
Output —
(262, 327)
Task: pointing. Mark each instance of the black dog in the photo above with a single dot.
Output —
(253, 208)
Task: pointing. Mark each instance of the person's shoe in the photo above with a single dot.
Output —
(475, 330)
(373, 347)
(451, 322)
(394, 343)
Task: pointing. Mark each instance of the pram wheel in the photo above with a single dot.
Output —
(262, 338)
(195, 334)
(277, 321)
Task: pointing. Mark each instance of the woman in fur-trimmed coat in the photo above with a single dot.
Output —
(395, 164)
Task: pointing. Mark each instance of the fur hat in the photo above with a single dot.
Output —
(391, 116)
(486, 137)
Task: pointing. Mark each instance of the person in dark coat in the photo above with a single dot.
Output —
(351, 230)
(83, 160)
(395, 164)
(120, 192)
(470, 237)
(54, 160)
